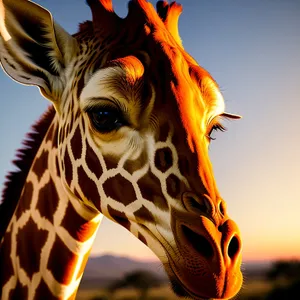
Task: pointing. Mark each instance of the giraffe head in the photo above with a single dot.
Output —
(135, 117)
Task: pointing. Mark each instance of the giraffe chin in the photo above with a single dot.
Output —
(208, 287)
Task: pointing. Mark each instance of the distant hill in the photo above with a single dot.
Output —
(101, 270)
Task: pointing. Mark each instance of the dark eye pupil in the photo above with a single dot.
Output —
(106, 120)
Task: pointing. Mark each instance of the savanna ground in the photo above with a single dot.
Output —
(253, 290)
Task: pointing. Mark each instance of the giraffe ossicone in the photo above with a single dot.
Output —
(126, 137)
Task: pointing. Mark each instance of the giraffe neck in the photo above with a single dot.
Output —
(47, 242)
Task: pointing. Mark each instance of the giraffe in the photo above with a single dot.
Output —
(126, 137)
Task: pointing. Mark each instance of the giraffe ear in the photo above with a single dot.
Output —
(34, 50)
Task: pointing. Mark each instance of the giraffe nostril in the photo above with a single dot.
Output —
(198, 242)
(233, 247)
(220, 228)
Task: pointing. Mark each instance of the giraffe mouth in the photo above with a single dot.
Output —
(208, 286)
(177, 285)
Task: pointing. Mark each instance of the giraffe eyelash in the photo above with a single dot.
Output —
(216, 126)
(102, 103)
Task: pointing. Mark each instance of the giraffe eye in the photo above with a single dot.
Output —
(106, 119)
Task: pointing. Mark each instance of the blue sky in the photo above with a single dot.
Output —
(252, 49)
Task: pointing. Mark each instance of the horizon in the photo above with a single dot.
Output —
(253, 51)
(155, 259)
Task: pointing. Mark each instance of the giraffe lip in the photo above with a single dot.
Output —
(190, 286)
(177, 285)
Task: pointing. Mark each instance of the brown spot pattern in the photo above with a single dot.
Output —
(72, 118)
(174, 186)
(68, 168)
(80, 85)
(142, 239)
(49, 136)
(57, 166)
(143, 214)
(119, 217)
(120, 189)
(54, 138)
(61, 135)
(79, 228)
(92, 161)
(133, 165)
(176, 139)
(6, 267)
(183, 165)
(41, 164)
(24, 203)
(76, 193)
(88, 187)
(164, 132)
(76, 144)
(43, 292)
(111, 162)
(48, 200)
(163, 159)
(59, 258)
(30, 241)
(150, 188)
(20, 292)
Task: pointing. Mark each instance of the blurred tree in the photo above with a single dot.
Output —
(288, 292)
(140, 280)
(114, 286)
(288, 270)
(143, 281)
(286, 278)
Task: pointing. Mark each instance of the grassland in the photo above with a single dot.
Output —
(252, 290)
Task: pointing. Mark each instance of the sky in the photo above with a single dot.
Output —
(252, 49)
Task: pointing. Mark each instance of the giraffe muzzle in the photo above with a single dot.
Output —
(210, 256)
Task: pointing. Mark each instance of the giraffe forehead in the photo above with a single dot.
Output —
(123, 82)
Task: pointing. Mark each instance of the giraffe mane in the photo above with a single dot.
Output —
(14, 183)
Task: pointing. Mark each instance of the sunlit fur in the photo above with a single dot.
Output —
(152, 175)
